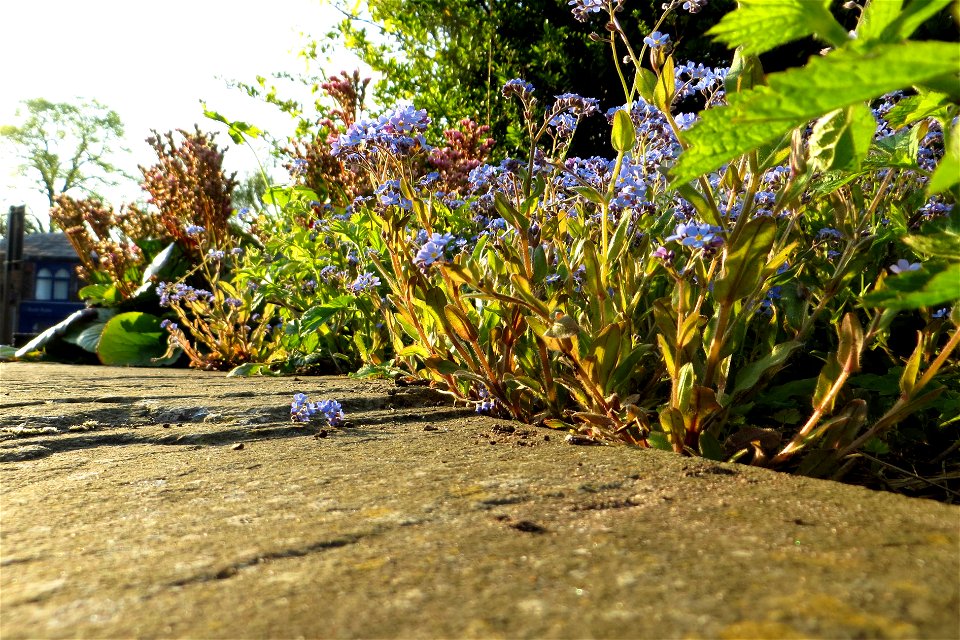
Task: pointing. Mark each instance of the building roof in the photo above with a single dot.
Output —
(44, 246)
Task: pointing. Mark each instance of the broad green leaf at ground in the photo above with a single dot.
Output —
(133, 339)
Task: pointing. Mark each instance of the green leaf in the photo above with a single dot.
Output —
(77, 318)
(913, 108)
(685, 387)
(745, 260)
(766, 114)
(750, 375)
(624, 134)
(935, 284)
(707, 213)
(908, 378)
(133, 339)
(459, 323)
(646, 82)
(917, 12)
(660, 441)
(947, 174)
(710, 447)
(666, 87)
(829, 374)
(509, 213)
(442, 365)
(156, 267)
(251, 369)
(99, 293)
(760, 25)
(746, 72)
(237, 129)
(943, 244)
(841, 139)
(88, 337)
(591, 194)
(606, 348)
(876, 17)
(413, 350)
(315, 317)
(851, 343)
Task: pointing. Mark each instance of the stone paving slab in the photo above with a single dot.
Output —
(170, 503)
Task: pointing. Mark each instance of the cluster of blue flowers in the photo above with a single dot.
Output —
(176, 292)
(194, 230)
(486, 404)
(581, 8)
(433, 250)
(568, 110)
(398, 132)
(366, 281)
(519, 88)
(697, 235)
(388, 194)
(656, 40)
(301, 410)
(693, 77)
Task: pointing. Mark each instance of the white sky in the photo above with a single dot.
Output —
(152, 63)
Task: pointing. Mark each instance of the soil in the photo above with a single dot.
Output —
(175, 503)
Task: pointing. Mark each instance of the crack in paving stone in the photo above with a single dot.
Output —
(233, 569)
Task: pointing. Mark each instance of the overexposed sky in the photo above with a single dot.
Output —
(152, 63)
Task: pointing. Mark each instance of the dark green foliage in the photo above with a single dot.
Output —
(452, 58)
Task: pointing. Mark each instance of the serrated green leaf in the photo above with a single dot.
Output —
(876, 17)
(841, 139)
(765, 114)
(913, 108)
(760, 25)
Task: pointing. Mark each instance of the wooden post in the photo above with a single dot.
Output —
(13, 261)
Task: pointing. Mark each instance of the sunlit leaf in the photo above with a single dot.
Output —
(761, 25)
(794, 97)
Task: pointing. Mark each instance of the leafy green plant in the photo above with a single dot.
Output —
(667, 297)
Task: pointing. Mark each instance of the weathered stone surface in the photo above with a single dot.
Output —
(129, 510)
